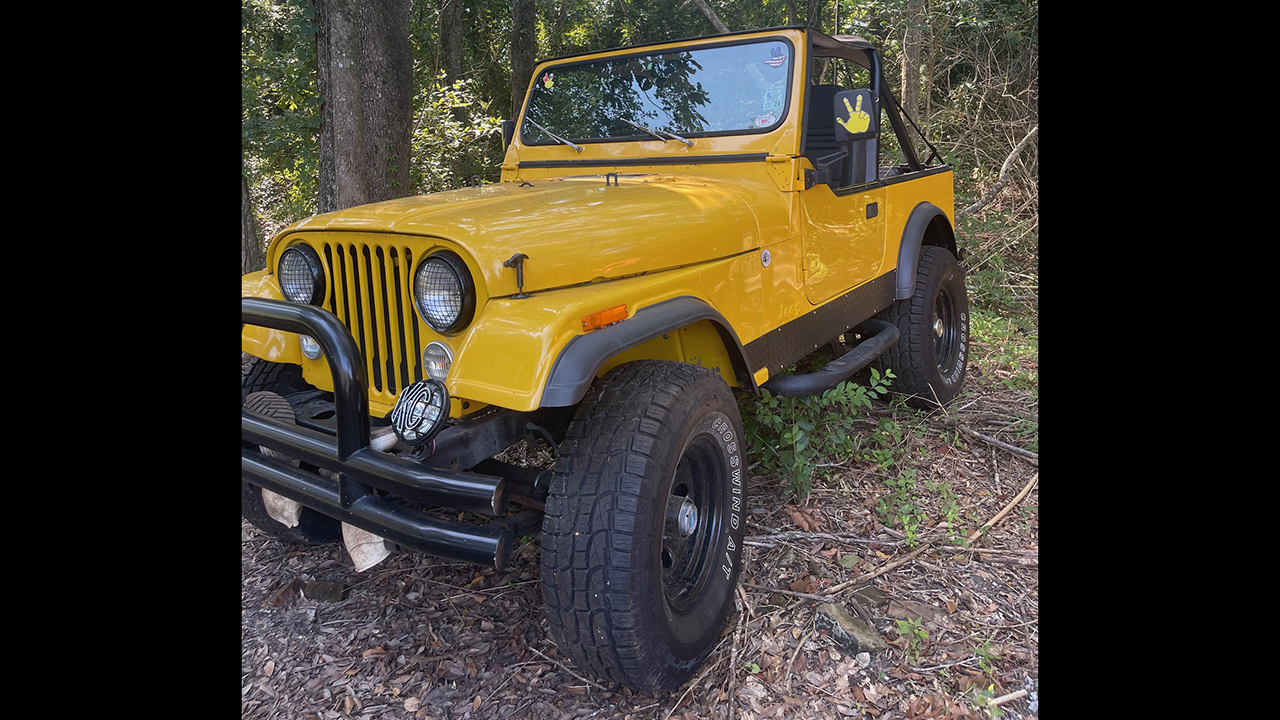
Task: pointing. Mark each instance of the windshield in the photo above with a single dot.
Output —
(688, 93)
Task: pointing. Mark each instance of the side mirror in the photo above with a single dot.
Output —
(508, 133)
(857, 115)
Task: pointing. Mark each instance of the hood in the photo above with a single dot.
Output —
(577, 229)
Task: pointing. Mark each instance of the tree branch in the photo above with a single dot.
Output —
(1004, 176)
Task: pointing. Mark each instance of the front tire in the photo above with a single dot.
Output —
(262, 387)
(642, 539)
(931, 355)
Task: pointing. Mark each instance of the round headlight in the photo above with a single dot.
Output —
(436, 360)
(443, 292)
(301, 275)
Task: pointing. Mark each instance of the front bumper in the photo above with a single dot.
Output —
(351, 495)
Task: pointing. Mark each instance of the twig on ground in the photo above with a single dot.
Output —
(805, 535)
(566, 669)
(862, 579)
(998, 516)
(804, 639)
(807, 596)
(1011, 696)
(692, 685)
(1002, 445)
(733, 657)
(746, 603)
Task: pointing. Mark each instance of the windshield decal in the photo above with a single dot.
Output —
(776, 57)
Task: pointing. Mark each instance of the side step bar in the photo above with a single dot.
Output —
(842, 368)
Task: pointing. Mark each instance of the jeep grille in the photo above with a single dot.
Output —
(372, 296)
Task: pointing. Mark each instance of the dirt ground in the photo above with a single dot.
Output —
(416, 637)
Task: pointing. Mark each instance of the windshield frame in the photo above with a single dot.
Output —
(660, 49)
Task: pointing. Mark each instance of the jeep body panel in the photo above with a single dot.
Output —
(734, 222)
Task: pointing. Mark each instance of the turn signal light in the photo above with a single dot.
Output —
(597, 320)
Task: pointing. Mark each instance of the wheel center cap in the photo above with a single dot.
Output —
(937, 327)
(687, 519)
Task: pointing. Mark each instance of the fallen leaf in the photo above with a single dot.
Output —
(269, 668)
(411, 704)
(804, 584)
(910, 610)
(475, 704)
(374, 651)
(806, 519)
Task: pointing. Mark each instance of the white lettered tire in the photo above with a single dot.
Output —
(642, 539)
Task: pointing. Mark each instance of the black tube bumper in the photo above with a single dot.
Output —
(350, 496)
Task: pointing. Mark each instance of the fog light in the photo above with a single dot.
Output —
(310, 348)
(420, 412)
(436, 360)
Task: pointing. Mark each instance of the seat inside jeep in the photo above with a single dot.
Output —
(859, 162)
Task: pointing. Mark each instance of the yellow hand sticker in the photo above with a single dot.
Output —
(858, 120)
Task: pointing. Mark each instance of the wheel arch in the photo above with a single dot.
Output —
(926, 225)
(583, 358)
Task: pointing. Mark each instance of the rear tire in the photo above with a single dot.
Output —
(932, 353)
(642, 539)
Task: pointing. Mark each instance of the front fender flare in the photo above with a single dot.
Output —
(576, 366)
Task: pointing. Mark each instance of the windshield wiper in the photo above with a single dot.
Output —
(655, 133)
(554, 136)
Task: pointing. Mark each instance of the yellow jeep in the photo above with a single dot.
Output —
(672, 221)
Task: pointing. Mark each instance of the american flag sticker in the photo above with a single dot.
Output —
(777, 57)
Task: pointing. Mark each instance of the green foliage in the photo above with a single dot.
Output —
(902, 507)
(982, 700)
(986, 656)
(455, 138)
(1013, 357)
(280, 110)
(914, 637)
(791, 436)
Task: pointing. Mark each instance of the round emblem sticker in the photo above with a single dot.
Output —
(764, 257)
(766, 120)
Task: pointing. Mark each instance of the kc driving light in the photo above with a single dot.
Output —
(301, 275)
(420, 412)
(443, 292)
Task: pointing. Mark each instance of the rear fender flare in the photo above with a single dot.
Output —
(927, 225)
(577, 364)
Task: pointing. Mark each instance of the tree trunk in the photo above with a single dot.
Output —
(451, 38)
(364, 67)
(250, 246)
(911, 59)
(524, 18)
(712, 16)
